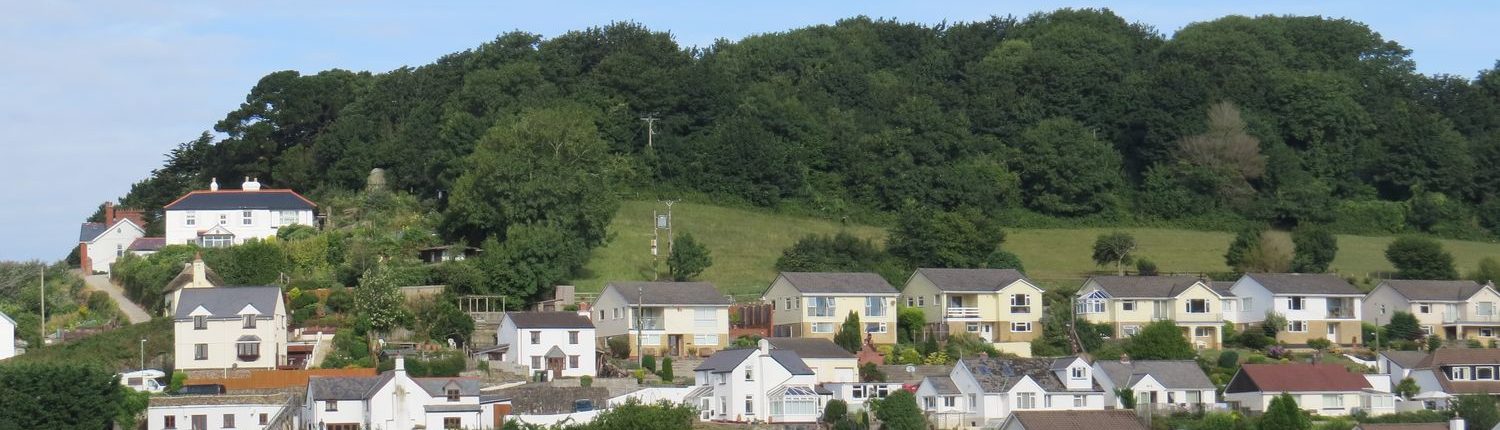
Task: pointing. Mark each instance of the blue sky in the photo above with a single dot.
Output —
(92, 94)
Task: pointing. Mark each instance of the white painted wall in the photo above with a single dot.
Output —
(112, 244)
(7, 336)
(767, 375)
(1315, 307)
(263, 224)
(222, 334)
(246, 416)
(521, 349)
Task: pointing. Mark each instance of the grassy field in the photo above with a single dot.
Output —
(746, 243)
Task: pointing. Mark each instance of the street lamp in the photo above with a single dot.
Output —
(143, 353)
(1377, 328)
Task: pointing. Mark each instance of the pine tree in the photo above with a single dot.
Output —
(848, 335)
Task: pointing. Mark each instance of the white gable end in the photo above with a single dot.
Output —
(249, 310)
(200, 311)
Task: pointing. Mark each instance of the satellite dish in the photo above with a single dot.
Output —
(911, 369)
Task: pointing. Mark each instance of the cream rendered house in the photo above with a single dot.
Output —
(1450, 309)
(230, 327)
(676, 318)
(1315, 305)
(1129, 303)
(999, 305)
(815, 304)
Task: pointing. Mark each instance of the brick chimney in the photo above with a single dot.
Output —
(109, 214)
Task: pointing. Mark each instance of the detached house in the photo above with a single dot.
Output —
(101, 243)
(1315, 305)
(560, 343)
(814, 304)
(218, 218)
(1178, 384)
(1449, 372)
(1449, 309)
(1129, 303)
(394, 400)
(756, 385)
(675, 318)
(230, 327)
(999, 305)
(1323, 389)
(993, 388)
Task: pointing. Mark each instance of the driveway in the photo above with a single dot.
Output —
(131, 310)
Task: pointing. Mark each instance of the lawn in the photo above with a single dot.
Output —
(746, 243)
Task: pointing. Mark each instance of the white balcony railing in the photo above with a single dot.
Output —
(957, 312)
(1199, 316)
(1455, 317)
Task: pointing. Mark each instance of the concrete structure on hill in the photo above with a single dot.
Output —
(998, 305)
(1129, 303)
(217, 218)
(560, 343)
(1316, 306)
(101, 243)
(675, 318)
(1448, 309)
(809, 304)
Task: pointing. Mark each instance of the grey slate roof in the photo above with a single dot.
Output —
(225, 302)
(345, 388)
(943, 384)
(977, 280)
(670, 293)
(897, 372)
(1174, 374)
(1063, 362)
(1144, 286)
(810, 347)
(839, 283)
(998, 375)
(549, 320)
(1222, 287)
(147, 244)
(1427, 290)
(239, 199)
(1407, 359)
(724, 361)
(789, 359)
(1304, 283)
(90, 230)
(435, 386)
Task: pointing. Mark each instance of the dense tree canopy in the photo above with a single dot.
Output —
(1074, 113)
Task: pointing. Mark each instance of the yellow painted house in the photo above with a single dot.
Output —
(999, 305)
(1450, 309)
(1129, 303)
(665, 318)
(815, 304)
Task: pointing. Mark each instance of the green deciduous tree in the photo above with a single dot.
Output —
(1284, 414)
(1161, 340)
(1477, 410)
(1488, 271)
(1315, 248)
(1407, 388)
(58, 395)
(1116, 248)
(910, 323)
(1420, 258)
(962, 239)
(1403, 325)
(1065, 170)
(899, 411)
(378, 299)
(850, 334)
(688, 259)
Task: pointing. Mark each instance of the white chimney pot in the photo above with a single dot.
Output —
(213, 185)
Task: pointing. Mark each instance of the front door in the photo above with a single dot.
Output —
(1333, 332)
(555, 364)
(987, 331)
(674, 344)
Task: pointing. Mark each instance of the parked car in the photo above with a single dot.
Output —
(147, 380)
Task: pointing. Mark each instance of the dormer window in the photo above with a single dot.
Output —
(1484, 373)
(200, 322)
(1460, 374)
(452, 394)
(249, 321)
(1079, 373)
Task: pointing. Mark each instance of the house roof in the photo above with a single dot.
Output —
(438, 386)
(549, 320)
(789, 359)
(810, 347)
(1077, 420)
(186, 276)
(839, 283)
(358, 388)
(724, 361)
(670, 293)
(1296, 377)
(227, 301)
(1144, 286)
(240, 199)
(1407, 359)
(1222, 287)
(977, 280)
(998, 375)
(1173, 374)
(1461, 356)
(147, 243)
(898, 373)
(1304, 283)
(942, 384)
(90, 230)
(1433, 290)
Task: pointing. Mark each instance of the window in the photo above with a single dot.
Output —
(875, 327)
(1127, 305)
(452, 394)
(910, 301)
(920, 301)
(788, 305)
(245, 218)
(536, 337)
(617, 313)
(216, 240)
(248, 321)
(200, 351)
(573, 337)
(223, 219)
(705, 339)
(536, 362)
(972, 327)
(1078, 373)
(1424, 308)
(248, 351)
(749, 405)
(1203, 331)
(721, 379)
(874, 306)
(1487, 332)
(948, 401)
(331, 406)
(572, 362)
(169, 422)
(1026, 401)
(264, 419)
(1484, 373)
(200, 322)
(1427, 330)
(1333, 401)
(1247, 303)
(651, 339)
(750, 372)
(1460, 374)
(200, 422)
(824, 327)
(1296, 326)
(1197, 306)
(820, 307)
(1485, 309)
(1020, 327)
(1130, 330)
(931, 403)
(288, 217)
(1020, 304)
(1078, 401)
(119, 250)
(452, 423)
(1194, 396)
(1294, 303)
(705, 317)
(723, 405)
(190, 219)
(229, 421)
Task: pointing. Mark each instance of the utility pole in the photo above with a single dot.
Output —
(44, 305)
(669, 225)
(639, 300)
(650, 128)
(143, 353)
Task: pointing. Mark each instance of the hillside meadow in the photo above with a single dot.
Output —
(746, 243)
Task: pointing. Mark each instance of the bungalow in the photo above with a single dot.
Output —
(995, 387)
(1324, 389)
(830, 362)
(828, 299)
(1450, 309)
(1168, 384)
(7, 336)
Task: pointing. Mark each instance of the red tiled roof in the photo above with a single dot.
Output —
(1302, 377)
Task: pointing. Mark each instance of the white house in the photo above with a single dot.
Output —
(216, 218)
(829, 361)
(1323, 389)
(100, 244)
(1169, 383)
(944, 404)
(1057, 420)
(230, 327)
(7, 336)
(756, 385)
(394, 401)
(225, 411)
(995, 387)
(1315, 305)
(561, 343)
